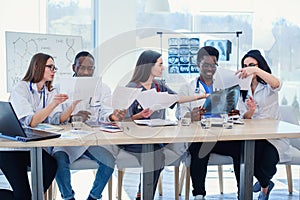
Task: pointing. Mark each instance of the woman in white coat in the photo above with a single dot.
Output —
(34, 101)
(261, 102)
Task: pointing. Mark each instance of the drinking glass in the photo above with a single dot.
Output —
(77, 122)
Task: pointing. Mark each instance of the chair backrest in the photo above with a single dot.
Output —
(288, 114)
(174, 153)
(84, 163)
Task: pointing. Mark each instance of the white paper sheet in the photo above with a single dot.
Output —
(48, 127)
(123, 97)
(156, 100)
(225, 78)
(155, 122)
(71, 134)
(79, 88)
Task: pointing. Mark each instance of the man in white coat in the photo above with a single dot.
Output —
(84, 66)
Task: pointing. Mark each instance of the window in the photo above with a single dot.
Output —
(71, 17)
(276, 34)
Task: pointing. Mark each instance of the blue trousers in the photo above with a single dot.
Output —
(106, 163)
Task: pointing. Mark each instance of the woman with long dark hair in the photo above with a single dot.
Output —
(34, 100)
(261, 102)
(148, 68)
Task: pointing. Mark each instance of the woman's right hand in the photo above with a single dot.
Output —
(246, 71)
(251, 103)
(146, 113)
(60, 98)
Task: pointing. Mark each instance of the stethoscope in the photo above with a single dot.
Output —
(43, 94)
(207, 89)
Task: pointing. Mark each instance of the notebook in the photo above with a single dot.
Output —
(10, 127)
(222, 101)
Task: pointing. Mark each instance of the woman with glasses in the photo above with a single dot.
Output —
(35, 101)
(261, 102)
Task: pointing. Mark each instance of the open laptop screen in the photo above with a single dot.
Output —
(9, 123)
(10, 127)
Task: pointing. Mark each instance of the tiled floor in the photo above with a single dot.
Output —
(82, 181)
(280, 191)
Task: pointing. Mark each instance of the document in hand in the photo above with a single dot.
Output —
(156, 100)
(225, 78)
(222, 101)
(79, 88)
(123, 97)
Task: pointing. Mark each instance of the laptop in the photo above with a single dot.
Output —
(222, 101)
(10, 127)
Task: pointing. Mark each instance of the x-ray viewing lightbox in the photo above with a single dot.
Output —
(224, 47)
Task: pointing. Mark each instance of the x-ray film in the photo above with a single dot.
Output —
(222, 101)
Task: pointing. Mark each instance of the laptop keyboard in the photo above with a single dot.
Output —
(35, 133)
(32, 135)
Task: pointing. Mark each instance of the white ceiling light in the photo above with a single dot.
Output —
(157, 6)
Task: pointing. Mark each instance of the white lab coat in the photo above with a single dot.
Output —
(188, 89)
(27, 100)
(267, 106)
(104, 94)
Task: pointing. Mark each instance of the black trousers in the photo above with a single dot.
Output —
(200, 153)
(14, 165)
(265, 161)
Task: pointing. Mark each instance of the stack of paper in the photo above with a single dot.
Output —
(155, 122)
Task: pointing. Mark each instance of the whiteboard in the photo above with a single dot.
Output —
(20, 47)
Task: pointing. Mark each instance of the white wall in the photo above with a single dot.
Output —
(23, 16)
(115, 52)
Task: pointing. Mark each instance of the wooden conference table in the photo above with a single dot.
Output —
(133, 134)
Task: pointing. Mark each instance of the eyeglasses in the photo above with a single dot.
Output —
(83, 68)
(208, 65)
(250, 65)
(52, 67)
